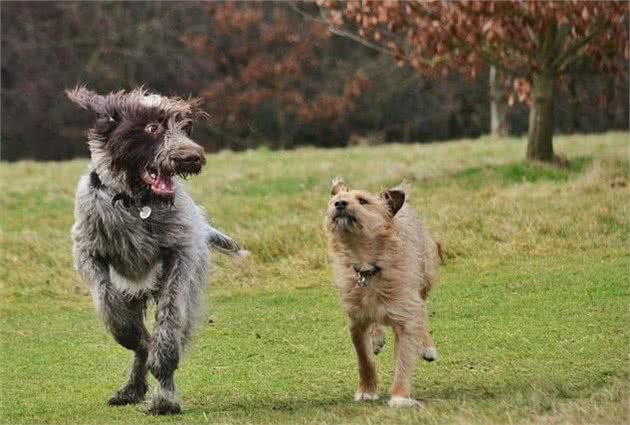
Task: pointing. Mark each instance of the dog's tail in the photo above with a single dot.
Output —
(224, 244)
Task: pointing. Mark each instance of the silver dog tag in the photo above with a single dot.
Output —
(145, 212)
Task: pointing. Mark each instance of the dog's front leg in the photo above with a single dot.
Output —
(167, 339)
(367, 389)
(123, 316)
(406, 344)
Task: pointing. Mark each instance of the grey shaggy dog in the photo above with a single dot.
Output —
(138, 237)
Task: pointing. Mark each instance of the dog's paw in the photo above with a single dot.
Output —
(430, 354)
(164, 406)
(396, 401)
(378, 343)
(377, 338)
(128, 395)
(365, 396)
(124, 399)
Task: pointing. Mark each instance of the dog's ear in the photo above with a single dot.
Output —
(395, 200)
(196, 110)
(87, 99)
(337, 186)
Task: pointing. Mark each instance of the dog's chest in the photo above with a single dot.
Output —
(365, 300)
(137, 284)
(131, 245)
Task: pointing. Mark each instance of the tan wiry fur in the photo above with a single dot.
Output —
(383, 231)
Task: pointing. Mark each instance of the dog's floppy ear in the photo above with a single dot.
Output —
(338, 186)
(196, 110)
(87, 99)
(395, 199)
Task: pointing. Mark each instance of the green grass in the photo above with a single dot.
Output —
(530, 317)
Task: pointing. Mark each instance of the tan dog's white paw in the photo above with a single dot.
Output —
(430, 354)
(363, 396)
(403, 402)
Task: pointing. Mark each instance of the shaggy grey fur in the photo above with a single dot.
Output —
(129, 261)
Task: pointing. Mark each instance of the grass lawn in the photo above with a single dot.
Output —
(531, 317)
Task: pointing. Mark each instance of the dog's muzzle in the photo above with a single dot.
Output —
(188, 160)
(343, 221)
(185, 160)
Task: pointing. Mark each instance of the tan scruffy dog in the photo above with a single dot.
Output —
(385, 263)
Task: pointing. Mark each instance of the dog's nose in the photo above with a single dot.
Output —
(193, 156)
(192, 159)
(340, 205)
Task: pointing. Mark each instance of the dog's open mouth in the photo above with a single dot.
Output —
(160, 183)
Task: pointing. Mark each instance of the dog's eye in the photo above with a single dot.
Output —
(152, 128)
(188, 129)
(363, 201)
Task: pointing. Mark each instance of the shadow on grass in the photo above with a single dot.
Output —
(251, 406)
(516, 390)
(538, 395)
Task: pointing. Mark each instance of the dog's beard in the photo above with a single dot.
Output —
(343, 222)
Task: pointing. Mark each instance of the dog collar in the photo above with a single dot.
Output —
(365, 272)
(144, 212)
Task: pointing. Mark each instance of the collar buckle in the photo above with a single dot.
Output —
(365, 273)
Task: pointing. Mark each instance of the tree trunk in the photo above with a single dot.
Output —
(540, 133)
(281, 120)
(282, 123)
(499, 126)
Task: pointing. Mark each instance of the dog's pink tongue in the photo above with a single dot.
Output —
(162, 184)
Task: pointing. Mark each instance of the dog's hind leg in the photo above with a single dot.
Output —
(124, 318)
(427, 347)
(377, 337)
